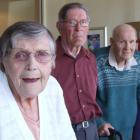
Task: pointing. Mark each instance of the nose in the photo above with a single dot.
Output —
(78, 26)
(127, 45)
(31, 63)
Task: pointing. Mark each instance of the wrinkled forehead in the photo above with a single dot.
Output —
(125, 31)
(30, 43)
(127, 36)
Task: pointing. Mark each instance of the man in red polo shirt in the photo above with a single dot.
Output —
(76, 70)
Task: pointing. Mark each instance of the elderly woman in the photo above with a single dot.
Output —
(31, 101)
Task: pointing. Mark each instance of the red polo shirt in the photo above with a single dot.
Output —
(78, 79)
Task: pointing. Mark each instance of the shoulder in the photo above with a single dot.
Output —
(52, 95)
(137, 56)
(52, 80)
(88, 53)
(52, 86)
(102, 55)
(101, 51)
(53, 83)
(3, 89)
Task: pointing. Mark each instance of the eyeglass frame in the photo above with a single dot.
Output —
(76, 22)
(28, 55)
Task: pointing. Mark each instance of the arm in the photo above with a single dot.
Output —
(103, 130)
(103, 126)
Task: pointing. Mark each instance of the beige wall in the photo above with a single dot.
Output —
(102, 12)
(21, 10)
(51, 8)
(3, 15)
(16, 10)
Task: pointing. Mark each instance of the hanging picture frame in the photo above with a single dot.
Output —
(97, 37)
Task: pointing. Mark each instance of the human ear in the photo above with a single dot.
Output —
(59, 27)
(111, 40)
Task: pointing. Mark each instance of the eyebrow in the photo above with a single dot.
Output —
(22, 49)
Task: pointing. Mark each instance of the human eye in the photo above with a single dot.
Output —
(122, 42)
(72, 22)
(132, 42)
(21, 56)
(42, 55)
(84, 22)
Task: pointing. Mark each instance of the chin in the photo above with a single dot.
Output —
(32, 93)
(79, 44)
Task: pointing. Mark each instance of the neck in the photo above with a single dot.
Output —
(74, 51)
(29, 107)
(71, 49)
(121, 63)
(28, 103)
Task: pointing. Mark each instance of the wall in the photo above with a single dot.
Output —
(102, 12)
(21, 10)
(3, 15)
(51, 8)
(17, 10)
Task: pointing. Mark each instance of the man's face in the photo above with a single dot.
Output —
(124, 44)
(74, 29)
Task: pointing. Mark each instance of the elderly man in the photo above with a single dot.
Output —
(118, 74)
(31, 101)
(76, 70)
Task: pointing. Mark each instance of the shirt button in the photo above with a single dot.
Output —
(83, 106)
(77, 76)
(80, 90)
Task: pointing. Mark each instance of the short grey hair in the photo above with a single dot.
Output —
(62, 15)
(24, 29)
(116, 30)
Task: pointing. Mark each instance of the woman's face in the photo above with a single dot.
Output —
(28, 66)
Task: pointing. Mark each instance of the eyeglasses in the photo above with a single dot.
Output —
(41, 56)
(74, 23)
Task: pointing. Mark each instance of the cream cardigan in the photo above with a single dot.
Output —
(54, 120)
